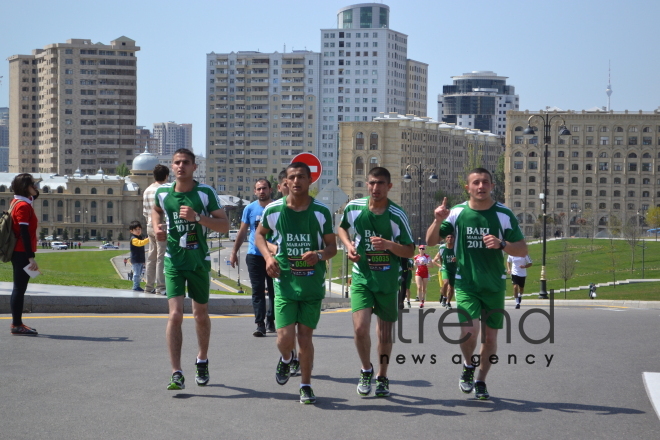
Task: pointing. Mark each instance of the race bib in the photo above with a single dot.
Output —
(378, 261)
(300, 268)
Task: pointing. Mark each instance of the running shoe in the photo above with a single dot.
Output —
(382, 386)
(270, 328)
(260, 331)
(202, 376)
(294, 367)
(517, 306)
(449, 305)
(421, 305)
(444, 302)
(417, 298)
(177, 382)
(409, 304)
(480, 390)
(307, 395)
(466, 384)
(23, 330)
(364, 385)
(138, 289)
(282, 372)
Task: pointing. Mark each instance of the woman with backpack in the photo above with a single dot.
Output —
(24, 225)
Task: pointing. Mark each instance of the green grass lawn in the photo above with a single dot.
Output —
(89, 269)
(595, 265)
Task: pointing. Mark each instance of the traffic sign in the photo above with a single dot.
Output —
(312, 162)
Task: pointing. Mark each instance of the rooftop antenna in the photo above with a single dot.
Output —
(284, 47)
(609, 84)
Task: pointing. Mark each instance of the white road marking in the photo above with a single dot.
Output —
(652, 384)
(611, 310)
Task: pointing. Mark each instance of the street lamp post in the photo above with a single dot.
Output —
(82, 213)
(433, 178)
(546, 118)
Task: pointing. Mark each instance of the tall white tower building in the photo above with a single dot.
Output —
(365, 70)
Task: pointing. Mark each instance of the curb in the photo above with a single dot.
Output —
(155, 305)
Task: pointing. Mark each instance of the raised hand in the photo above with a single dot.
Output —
(441, 212)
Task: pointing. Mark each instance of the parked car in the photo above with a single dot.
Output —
(214, 235)
(58, 245)
(108, 246)
(233, 234)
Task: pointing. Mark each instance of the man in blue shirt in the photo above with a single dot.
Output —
(256, 264)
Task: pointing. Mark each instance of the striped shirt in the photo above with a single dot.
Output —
(149, 200)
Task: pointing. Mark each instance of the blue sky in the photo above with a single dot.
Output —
(555, 52)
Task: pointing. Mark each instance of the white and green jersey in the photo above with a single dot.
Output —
(297, 232)
(379, 271)
(480, 269)
(447, 258)
(186, 241)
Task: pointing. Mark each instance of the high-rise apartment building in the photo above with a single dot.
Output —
(144, 139)
(608, 167)
(365, 71)
(4, 139)
(73, 107)
(261, 111)
(171, 136)
(478, 100)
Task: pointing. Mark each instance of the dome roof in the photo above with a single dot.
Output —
(145, 162)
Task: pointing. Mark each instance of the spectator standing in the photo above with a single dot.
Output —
(24, 225)
(137, 253)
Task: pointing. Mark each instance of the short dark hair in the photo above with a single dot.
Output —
(302, 165)
(281, 176)
(134, 224)
(381, 172)
(21, 184)
(263, 180)
(161, 172)
(187, 152)
(479, 171)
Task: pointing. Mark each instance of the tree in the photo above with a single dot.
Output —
(314, 191)
(273, 183)
(631, 234)
(122, 170)
(566, 265)
(42, 235)
(653, 219)
(589, 222)
(614, 226)
(498, 192)
(474, 160)
(120, 237)
(86, 236)
(65, 235)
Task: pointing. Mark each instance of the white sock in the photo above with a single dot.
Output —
(370, 370)
(468, 366)
(200, 361)
(305, 385)
(287, 361)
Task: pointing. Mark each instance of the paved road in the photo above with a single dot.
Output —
(105, 376)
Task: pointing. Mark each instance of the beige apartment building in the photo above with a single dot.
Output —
(608, 166)
(411, 144)
(261, 112)
(416, 87)
(73, 106)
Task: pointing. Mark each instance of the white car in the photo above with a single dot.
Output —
(108, 246)
(233, 234)
(59, 245)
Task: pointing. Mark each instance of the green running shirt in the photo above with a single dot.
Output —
(296, 233)
(447, 258)
(186, 241)
(479, 269)
(379, 271)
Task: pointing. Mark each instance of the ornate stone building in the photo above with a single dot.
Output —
(608, 166)
(396, 142)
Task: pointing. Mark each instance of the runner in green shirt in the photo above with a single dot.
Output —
(183, 213)
(382, 236)
(302, 229)
(445, 259)
(482, 229)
